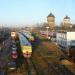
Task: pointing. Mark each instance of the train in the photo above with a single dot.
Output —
(14, 53)
(49, 35)
(26, 46)
(28, 35)
(66, 40)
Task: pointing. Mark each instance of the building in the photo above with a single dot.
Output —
(51, 21)
(66, 22)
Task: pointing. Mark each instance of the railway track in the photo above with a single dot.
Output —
(39, 65)
(29, 66)
(59, 69)
(52, 68)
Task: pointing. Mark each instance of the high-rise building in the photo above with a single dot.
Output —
(51, 21)
(66, 22)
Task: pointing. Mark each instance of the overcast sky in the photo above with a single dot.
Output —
(35, 11)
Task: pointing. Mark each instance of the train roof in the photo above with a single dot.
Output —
(24, 40)
(27, 35)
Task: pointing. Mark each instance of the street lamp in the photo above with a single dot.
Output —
(47, 31)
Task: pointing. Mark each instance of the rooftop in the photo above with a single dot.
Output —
(50, 15)
(66, 17)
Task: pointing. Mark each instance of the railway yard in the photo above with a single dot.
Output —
(41, 57)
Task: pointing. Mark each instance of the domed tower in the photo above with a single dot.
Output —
(51, 21)
(66, 22)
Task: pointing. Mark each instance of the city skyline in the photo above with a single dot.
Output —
(32, 12)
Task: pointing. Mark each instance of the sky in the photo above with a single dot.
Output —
(31, 12)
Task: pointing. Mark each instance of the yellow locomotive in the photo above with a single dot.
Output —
(26, 46)
(28, 35)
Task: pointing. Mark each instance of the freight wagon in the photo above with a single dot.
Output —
(67, 41)
(26, 46)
